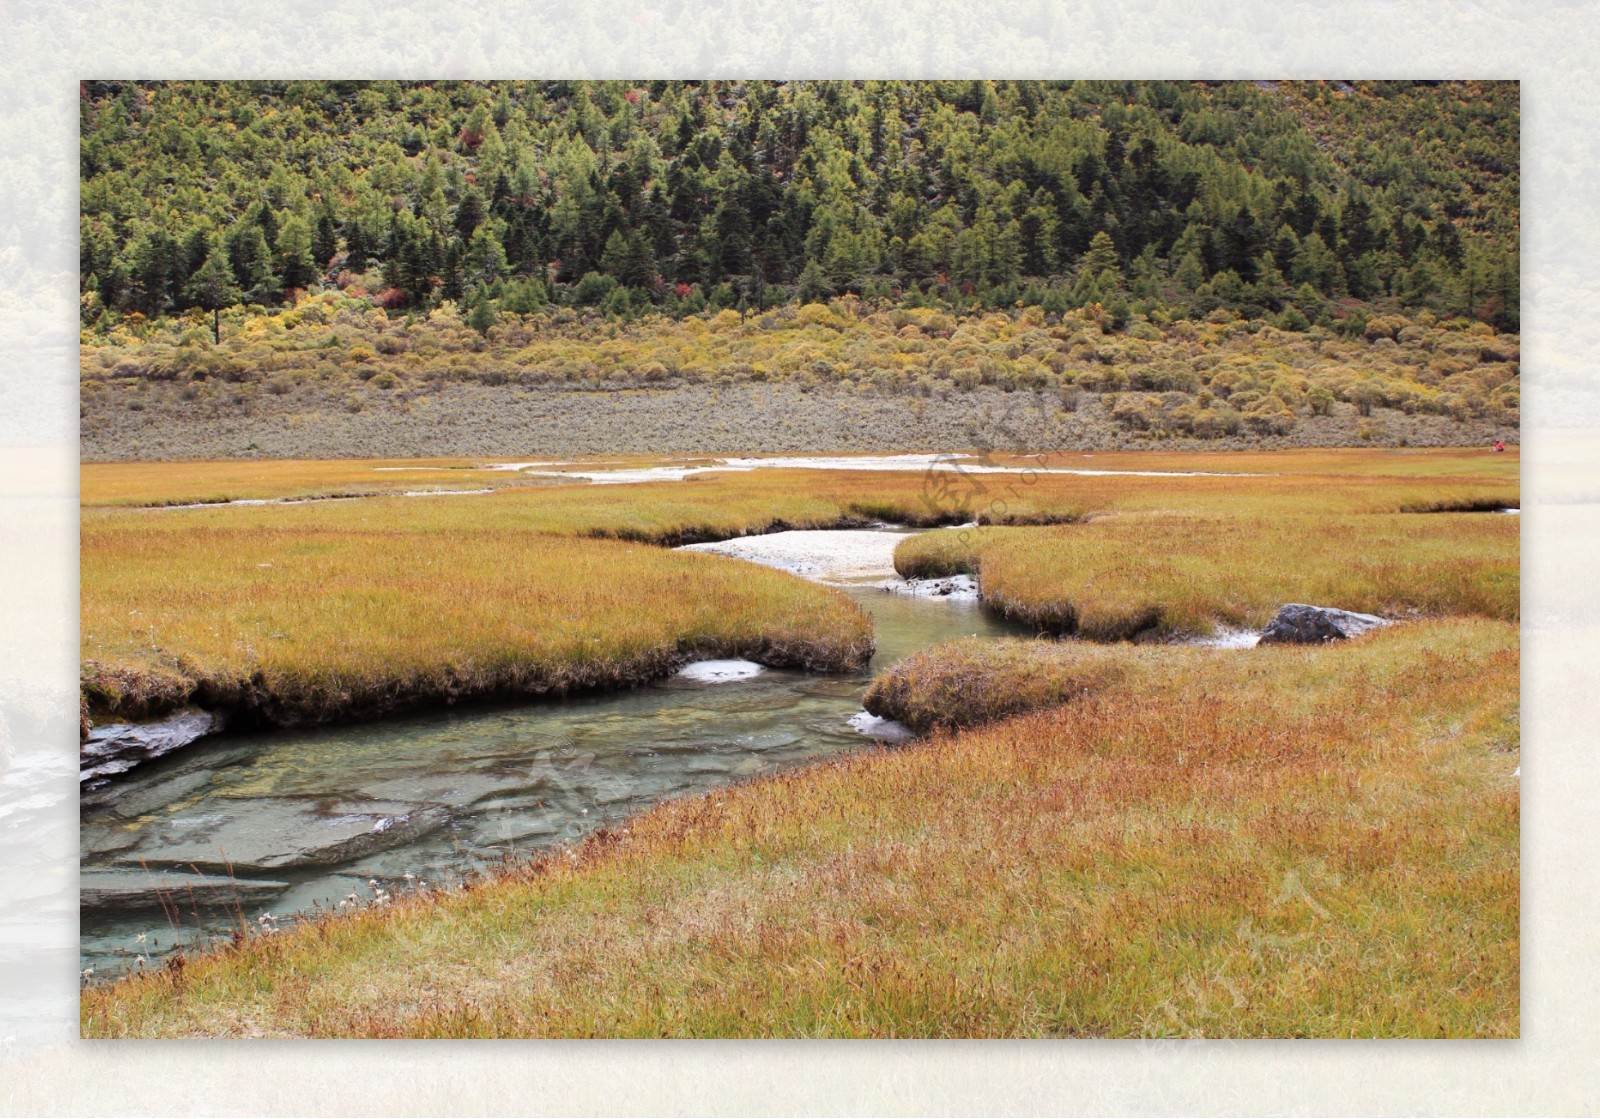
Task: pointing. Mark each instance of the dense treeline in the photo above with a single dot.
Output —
(1288, 201)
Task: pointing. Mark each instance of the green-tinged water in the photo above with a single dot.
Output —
(297, 819)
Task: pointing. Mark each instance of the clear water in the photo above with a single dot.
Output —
(464, 789)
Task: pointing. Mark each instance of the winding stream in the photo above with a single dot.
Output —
(304, 818)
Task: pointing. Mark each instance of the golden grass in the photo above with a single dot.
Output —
(1160, 575)
(1285, 842)
(1355, 480)
(183, 483)
(333, 609)
(304, 624)
(966, 683)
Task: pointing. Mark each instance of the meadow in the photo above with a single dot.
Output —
(1090, 839)
(1290, 843)
(308, 612)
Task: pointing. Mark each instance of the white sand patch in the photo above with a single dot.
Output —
(885, 730)
(512, 466)
(956, 463)
(953, 588)
(1225, 638)
(952, 463)
(825, 555)
(720, 672)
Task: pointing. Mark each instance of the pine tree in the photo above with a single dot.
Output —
(296, 265)
(212, 287)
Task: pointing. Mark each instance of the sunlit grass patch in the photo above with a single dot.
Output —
(1127, 576)
(182, 483)
(1306, 842)
(297, 625)
(1242, 483)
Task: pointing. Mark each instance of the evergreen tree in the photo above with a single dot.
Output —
(296, 265)
(252, 264)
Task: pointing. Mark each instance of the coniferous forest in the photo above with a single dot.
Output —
(334, 267)
(1288, 201)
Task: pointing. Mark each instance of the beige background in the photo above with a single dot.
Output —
(1554, 1069)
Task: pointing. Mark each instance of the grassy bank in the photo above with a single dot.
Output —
(1300, 842)
(320, 610)
(1315, 481)
(185, 483)
(1163, 575)
(299, 624)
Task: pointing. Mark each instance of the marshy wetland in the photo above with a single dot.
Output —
(1100, 826)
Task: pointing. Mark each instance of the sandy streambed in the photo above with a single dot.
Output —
(827, 556)
(843, 557)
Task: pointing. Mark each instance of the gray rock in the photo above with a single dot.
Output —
(145, 890)
(275, 833)
(1299, 624)
(131, 799)
(118, 747)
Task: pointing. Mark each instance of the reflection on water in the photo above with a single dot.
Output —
(310, 817)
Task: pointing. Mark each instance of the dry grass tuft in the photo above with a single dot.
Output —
(966, 683)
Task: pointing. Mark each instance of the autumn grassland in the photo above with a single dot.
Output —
(1093, 838)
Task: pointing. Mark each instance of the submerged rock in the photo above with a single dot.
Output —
(1299, 624)
(141, 889)
(274, 833)
(128, 800)
(118, 747)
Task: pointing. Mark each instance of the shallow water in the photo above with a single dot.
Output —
(314, 816)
